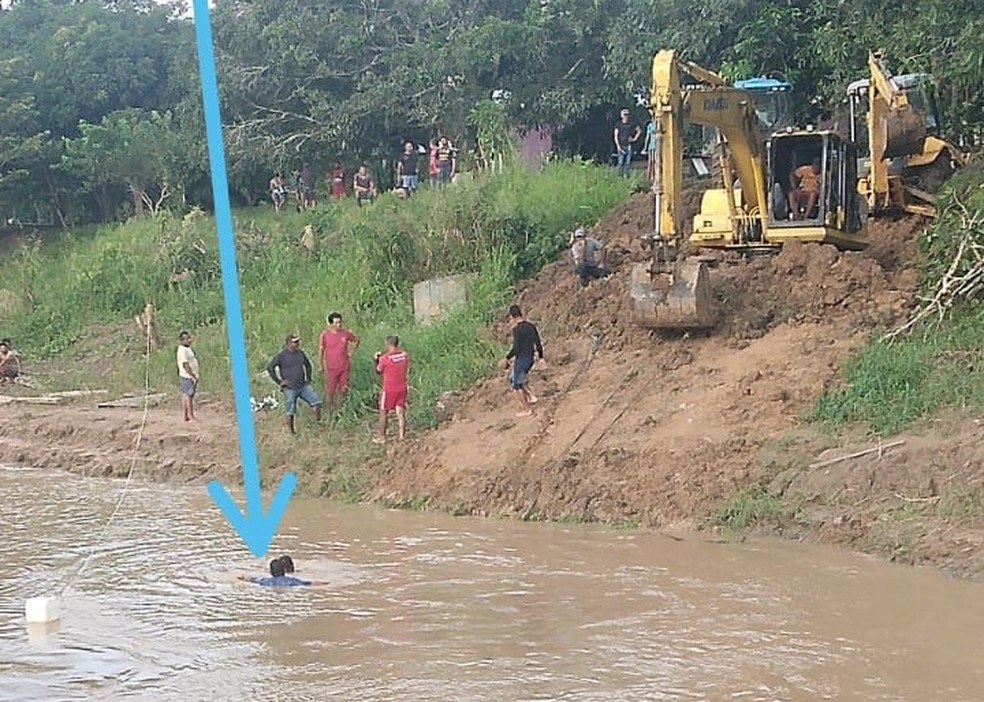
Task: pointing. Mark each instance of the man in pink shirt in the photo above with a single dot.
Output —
(392, 366)
(335, 349)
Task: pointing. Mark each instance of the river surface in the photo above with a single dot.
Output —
(429, 607)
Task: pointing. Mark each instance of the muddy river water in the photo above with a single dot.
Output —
(429, 607)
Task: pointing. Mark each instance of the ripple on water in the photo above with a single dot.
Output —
(424, 607)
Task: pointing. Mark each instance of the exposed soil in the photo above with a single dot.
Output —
(631, 426)
(640, 428)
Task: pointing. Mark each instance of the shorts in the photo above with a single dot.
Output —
(520, 369)
(306, 393)
(336, 380)
(188, 386)
(409, 182)
(389, 400)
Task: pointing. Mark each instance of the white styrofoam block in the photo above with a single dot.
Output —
(42, 609)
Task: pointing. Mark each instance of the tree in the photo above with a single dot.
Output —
(133, 148)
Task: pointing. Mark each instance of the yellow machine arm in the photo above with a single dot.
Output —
(895, 128)
(715, 104)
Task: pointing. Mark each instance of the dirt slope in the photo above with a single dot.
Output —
(631, 426)
(636, 426)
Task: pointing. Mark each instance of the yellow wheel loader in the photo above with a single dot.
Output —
(895, 122)
(795, 185)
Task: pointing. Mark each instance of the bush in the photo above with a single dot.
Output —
(888, 385)
(499, 228)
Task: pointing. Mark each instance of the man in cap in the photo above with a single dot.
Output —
(626, 133)
(291, 370)
(589, 257)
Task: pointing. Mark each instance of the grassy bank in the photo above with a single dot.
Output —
(69, 296)
(889, 385)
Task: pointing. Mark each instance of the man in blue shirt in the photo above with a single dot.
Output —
(279, 567)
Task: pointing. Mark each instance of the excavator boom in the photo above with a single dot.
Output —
(797, 185)
(905, 159)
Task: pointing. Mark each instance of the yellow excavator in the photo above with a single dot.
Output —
(895, 122)
(758, 213)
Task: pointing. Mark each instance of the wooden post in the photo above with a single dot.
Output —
(148, 327)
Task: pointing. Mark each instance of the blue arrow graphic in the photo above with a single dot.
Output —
(255, 528)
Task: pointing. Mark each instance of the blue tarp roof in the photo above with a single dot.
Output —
(763, 84)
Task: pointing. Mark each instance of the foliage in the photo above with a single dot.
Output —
(367, 259)
(320, 82)
(889, 385)
(747, 508)
(134, 148)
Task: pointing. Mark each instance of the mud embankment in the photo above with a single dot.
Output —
(631, 427)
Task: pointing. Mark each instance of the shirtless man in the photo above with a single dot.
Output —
(805, 188)
(278, 191)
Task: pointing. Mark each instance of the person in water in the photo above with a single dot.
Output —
(279, 569)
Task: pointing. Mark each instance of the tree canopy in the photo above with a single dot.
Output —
(100, 111)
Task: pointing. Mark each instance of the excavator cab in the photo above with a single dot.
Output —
(812, 190)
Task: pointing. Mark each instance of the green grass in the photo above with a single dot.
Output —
(889, 386)
(747, 508)
(70, 296)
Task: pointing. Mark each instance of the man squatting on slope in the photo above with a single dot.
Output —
(526, 342)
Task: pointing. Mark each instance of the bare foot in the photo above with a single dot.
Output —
(532, 399)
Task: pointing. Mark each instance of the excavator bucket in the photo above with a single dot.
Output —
(672, 296)
(905, 132)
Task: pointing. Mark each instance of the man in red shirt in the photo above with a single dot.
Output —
(392, 365)
(335, 349)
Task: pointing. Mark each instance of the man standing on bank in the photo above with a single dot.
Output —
(187, 376)
(291, 370)
(393, 365)
(626, 134)
(526, 343)
(335, 349)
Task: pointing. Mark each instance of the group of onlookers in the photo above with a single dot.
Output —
(439, 158)
(293, 373)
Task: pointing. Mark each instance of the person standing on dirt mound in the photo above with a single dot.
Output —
(393, 366)
(526, 347)
(589, 257)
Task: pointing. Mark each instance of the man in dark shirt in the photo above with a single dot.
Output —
(526, 343)
(281, 575)
(626, 133)
(307, 183)
(407, 174)
(291, 370)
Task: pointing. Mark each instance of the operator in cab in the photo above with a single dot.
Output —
(805, 190)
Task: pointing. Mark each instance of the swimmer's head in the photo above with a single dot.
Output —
(276, 567)
(288, 563)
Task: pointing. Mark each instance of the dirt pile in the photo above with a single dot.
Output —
(804, 283)
(641, 427)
